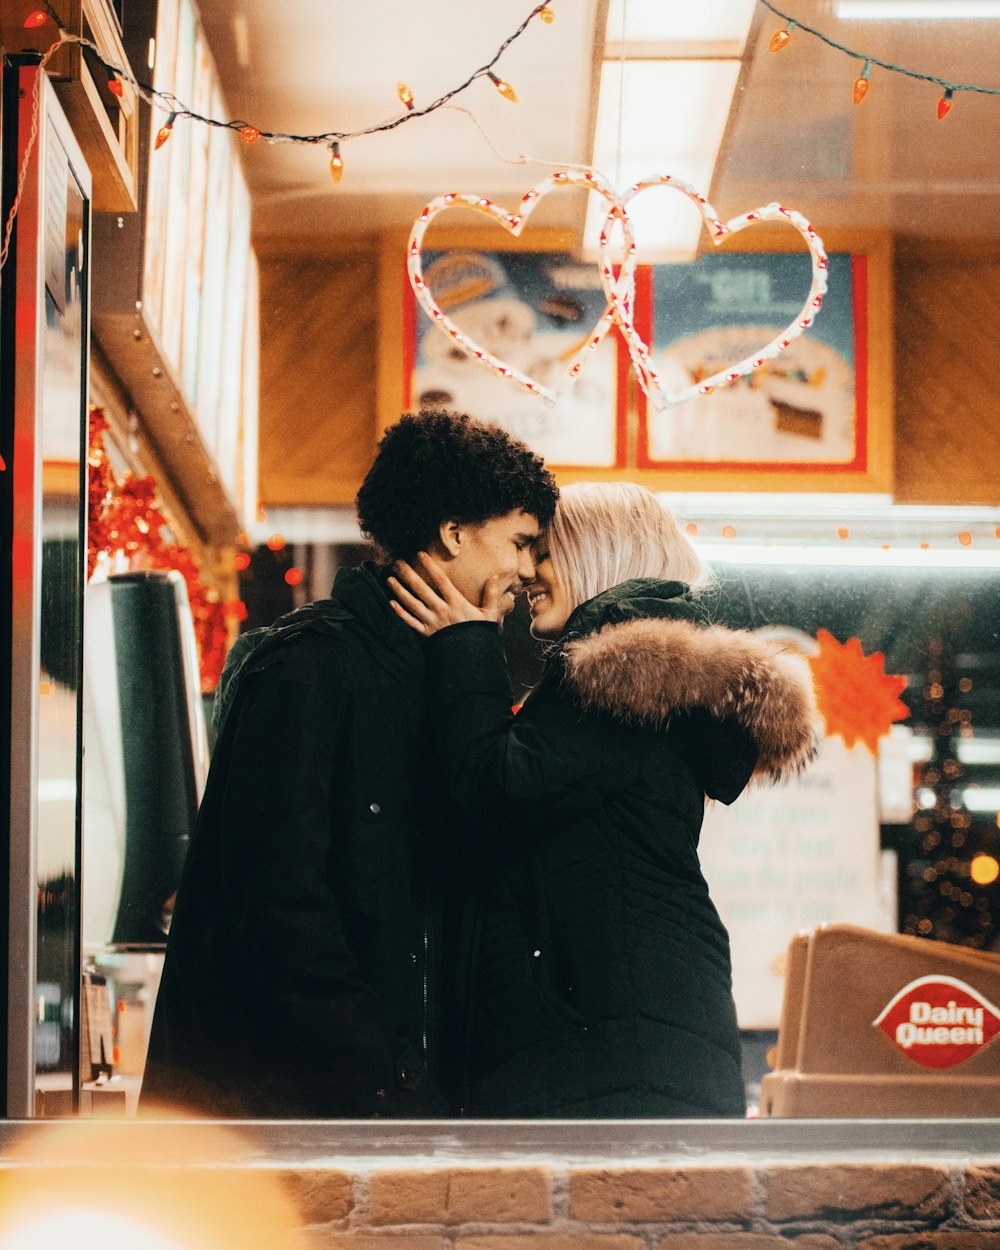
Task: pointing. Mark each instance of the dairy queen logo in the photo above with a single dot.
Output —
(939, 1021)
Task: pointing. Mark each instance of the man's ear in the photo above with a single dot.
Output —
(451, 536)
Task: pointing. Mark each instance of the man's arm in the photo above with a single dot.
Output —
(547, 761)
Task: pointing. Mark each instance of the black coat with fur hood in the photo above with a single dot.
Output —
(596, 974)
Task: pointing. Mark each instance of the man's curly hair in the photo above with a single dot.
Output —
(438, 466)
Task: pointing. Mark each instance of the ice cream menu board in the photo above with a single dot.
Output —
(531, 310)
(198, 264)
(805, 407)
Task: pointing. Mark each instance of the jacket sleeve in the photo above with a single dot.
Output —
(320, 1020)
(550, 763)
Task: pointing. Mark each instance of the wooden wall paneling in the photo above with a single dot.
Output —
(947, 356)
(319, 367)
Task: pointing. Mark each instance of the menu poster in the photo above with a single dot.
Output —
(802, 407)
(175, 268)
(247, 488)
(54, 220)
(197, 257)
(194, 254)
(790, 857)
(234, 322)
(159, 166)
(222, 169)
(531, 310)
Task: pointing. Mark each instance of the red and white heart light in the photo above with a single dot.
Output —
(618, 281)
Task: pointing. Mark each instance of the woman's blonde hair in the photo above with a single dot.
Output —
(605, 533)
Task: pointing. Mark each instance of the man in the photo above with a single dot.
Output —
(302, 969)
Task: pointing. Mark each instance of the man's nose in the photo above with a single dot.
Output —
(526, 567)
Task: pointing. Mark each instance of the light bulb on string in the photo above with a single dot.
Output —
(165, 131)
(862, 83)
(249, 134)
(505, 89)
(944, 104)
(38, 18)
(336, 162)
(780, 38)
(405, 95)
(547, 14)
(115, 84)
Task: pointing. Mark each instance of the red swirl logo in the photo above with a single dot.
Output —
(939, 1022)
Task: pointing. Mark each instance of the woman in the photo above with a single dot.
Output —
(597, 976)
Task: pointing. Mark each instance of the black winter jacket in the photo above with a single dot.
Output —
(596, 974)
(301, 961)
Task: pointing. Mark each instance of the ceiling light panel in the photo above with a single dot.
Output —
(658, 22)
(915, 10)
(671, 121)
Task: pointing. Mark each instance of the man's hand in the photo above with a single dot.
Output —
(430, 601)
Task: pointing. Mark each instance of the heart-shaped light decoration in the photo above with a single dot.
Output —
(648, 378)
(618, 289)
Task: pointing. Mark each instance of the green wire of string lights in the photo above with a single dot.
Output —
(782, 37)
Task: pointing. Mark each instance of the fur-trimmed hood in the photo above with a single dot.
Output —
(643, 670)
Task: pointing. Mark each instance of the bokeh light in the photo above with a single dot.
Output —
(984, 869)
(146, 1184)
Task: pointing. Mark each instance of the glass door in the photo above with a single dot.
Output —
(44, 349)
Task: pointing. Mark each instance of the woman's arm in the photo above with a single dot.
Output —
(430, 601)
(550, 764)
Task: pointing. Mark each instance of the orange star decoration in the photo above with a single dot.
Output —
(857, 698)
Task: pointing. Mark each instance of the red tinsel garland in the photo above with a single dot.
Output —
(123, 514)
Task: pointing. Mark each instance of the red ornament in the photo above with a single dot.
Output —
(125, 515)
(856, 697)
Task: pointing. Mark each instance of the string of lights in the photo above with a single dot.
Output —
(32, 137)
(177, 110)
(781, 39)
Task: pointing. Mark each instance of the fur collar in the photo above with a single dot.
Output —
(644, 670)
